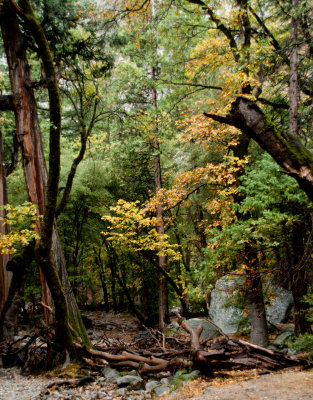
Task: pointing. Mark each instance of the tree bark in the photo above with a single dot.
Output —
(18, 266)
(299, 280)
(5, 276)
(163, 292)
(293, 78)
(255, 299)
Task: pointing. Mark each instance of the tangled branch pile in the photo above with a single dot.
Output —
(154, 353)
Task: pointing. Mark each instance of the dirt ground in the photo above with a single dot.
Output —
(286, 385)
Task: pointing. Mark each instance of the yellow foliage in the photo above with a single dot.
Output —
(130, 226)
(22, 221)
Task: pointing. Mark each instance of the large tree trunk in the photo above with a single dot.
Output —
(5, 276)
(29, 138)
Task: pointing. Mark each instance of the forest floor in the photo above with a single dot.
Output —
(288, 384)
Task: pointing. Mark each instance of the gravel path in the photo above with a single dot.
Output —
(14, 386)
(279, 386)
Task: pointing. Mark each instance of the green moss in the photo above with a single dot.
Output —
(295, 150)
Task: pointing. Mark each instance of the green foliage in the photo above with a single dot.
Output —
(304, 343)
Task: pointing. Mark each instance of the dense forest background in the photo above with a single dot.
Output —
(178, 138)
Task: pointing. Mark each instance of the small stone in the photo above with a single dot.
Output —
(133, 382)
(110, 373)
(159, 390)
(139, 394)
(252, 387)
(283, 337)
(133, 372)
(150, 385)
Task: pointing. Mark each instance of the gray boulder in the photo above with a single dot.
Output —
(280, 305)
(226, 316)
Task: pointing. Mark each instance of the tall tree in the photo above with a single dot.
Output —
(5, 276)
(34, 164)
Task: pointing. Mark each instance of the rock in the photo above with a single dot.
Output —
(228, 317)
(110, 373)
(139, 394)
(120, 392)
(159, 390)
(280, 305)
(222, 313)
(131, 381)
(283, 337)
(173, 329)
(133, 372)
(209, 329)
(150, 385)
(166, 381)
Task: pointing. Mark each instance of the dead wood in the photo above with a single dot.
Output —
(194, 335)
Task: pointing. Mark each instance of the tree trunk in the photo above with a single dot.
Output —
(5, 276)
(30, 141)
(254, 291)
(19, 266)
(293, 79)
(298, 280)
(27, 124)
(255, 300)
(163, 292)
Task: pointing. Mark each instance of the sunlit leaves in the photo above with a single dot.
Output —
(22, 221)
(131, 227)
